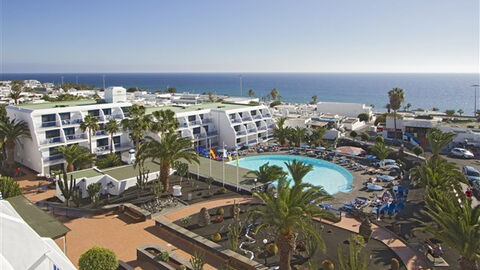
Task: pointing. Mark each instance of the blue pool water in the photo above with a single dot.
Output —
(331, 177)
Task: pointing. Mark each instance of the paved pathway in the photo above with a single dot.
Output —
(408, 255)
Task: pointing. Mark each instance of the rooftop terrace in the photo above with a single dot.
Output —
(197, 107)
(51, 105)
(119, 173)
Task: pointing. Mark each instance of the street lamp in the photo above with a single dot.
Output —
(265, 242)
(255, 183)
(475, 89)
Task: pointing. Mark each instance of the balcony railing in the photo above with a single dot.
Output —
(184, 124)
(51, 140)
(247, 119)
(71, 137)
(267, 115)
(252, 130)
(49, 124)
(252, 141)
(200, 136)
(258, 116)
(212, 133)
(101, 149)
(241, 132)
(196, 122)
(71, 121)
(235, 120)
(101, 133)
(262, 128)
(271, 126)
(52, 158)
(207, 120)
(119, 146)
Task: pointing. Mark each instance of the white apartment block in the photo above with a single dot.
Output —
(344, 109)
(53, 124)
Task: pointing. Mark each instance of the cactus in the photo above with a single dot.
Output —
(235, 210)
(327, 265)
(66, 187)
(394, 264)
(93, 192)
(197, 261)
(365, 229)
(142, 178)
(77, 196)
(204, 217)
(234, 230)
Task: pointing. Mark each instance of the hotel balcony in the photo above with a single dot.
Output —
(267, 115)
(51, 140)
(66, 122)
(72, 137)
(102, 149)
(252, 141)
(241, 132)
(262, 128)
(212, 133)
(235, 120)
(53, 158)
(271, 126)
(258, 116)
(100, 133)
(49, 124)
(247, 119)
(199, 136)
(114, 116)
(195, 123)
(123, 147)
(252, 130)
(207, 120)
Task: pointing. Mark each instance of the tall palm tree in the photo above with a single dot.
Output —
(170, 149)
(298, 170)
(281, 132)
(267, 173)
(456, 224)
(388, 107)
(396, 96)
(274, 93)
(251, 93)
(164, 121)
(11, 131)
(137, 123)
(288, 212)
(75, 156)
(15, 95)
(112, 127)
(90, 125)
(381, 150)
(298, 135)
(438, 173)
(438, 140)
(314, 99)
(316, 136)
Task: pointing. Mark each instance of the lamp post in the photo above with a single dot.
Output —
(475, 89)
(265, 242)
(255, 183)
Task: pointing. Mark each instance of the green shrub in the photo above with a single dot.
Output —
(365, 136)
(98, 258)
(221, 211)
(163, 256)
(110, 160)
(417, 150)
(9, 187)
(364, 117)
(327, 265)
(272, 249)
(275, 103)
(353, 134)
(222, 190)
(93, 191)
(381, 119)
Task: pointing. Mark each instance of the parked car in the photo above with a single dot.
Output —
(461, 153)
(476, 189)
(471, 173)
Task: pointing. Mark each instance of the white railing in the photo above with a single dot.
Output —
(51, 140)
(71, 137)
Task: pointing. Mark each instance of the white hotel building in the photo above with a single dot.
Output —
(53, 124)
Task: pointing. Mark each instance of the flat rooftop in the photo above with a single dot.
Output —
(197, 107)
(51, 105)
(119, 173)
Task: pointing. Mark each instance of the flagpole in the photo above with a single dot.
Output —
(210, 159)
(223, 163)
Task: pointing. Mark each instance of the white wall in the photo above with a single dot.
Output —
(344, 109)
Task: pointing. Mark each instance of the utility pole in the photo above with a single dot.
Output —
(103, 77)
(475, 89)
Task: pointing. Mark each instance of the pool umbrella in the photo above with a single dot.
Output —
(393, 166)
(351, 149)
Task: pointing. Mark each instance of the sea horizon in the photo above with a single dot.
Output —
(422, 90)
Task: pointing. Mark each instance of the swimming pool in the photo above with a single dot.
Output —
(331, 177)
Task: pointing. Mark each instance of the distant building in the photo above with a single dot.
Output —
(344, 109)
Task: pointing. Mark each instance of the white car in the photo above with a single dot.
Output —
(461, 153)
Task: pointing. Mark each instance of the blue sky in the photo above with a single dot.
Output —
(240, 36)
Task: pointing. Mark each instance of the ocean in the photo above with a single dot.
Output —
(444, 91)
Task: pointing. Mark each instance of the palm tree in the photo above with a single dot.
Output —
(281, 132)
(137, 123)
(112, 127)
(251, 93)
(11, 131)
(314, 99)
(438, 140)
(316, 136)
(298, 170)
(388, 107)
(164, 121)
(460, 112)
(274, 93)
(437, 173)
(211, 96)
(75, 156)
(396, 96)
(267, 174)
(298, 134)
(90, 125)
(381, 150)
(170, 149)
(15, 95)
(288, 212)
(457, 224)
